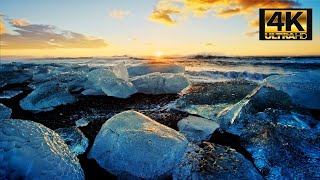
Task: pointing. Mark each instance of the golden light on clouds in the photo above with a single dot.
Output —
(254, 23)
(229, 12)
(165, 10)
(40, 36)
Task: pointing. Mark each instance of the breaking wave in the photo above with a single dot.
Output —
(219, 75)
(296, 62)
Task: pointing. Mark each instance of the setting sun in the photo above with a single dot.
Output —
(158, 53)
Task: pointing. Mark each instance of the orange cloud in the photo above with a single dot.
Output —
(254, 23)
(2, 28)
(245, 4)
(163, 16)
(230, 12)
(204, 3)
(119, 14)
(234, 6)
(230, 7)
(39, 36)
(164, 11)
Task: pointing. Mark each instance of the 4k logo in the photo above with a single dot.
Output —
(285, 24)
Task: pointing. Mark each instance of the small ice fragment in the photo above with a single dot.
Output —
(8, 94)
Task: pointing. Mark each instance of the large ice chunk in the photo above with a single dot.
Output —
(132, 144)
(29, 150)
(42, 73)
(15, 77)
(151, 68)
(73, 77)
(160, 83)
(5, 112)
(303, 88)
(110, 84)
(46, 97)
(12, 74)
(120, 71)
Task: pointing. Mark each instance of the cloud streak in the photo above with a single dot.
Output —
(252, 34)
(119, 14)
(40, 36)
(230, 12)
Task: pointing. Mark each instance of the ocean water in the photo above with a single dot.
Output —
(202, 69)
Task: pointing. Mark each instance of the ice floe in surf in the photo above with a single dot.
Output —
(144, 69)
(120, 71)
(73, 77)
(46, 97)
(15, 77)
(59, 81)
(303, 88)
(107, 81)
(160, 83)
(215, 76)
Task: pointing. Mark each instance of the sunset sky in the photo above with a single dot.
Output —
(144, 27)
